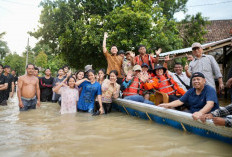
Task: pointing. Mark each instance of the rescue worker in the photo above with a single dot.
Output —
(164, 83)
(132, 86)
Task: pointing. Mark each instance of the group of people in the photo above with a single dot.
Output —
(133, 78)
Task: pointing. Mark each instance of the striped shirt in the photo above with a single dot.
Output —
(223, 112)
(208, 66)
(114, 63)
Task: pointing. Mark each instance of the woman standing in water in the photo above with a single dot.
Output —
(69, 95)
(110, 89)
(90, 90)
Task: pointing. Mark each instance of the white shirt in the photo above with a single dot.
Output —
(183, 77)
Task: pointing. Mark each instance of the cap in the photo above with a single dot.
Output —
(196, 45)
(158, 66)
(88, 67)
(121, 52)
(127, 52)
(144, 65)
(198, 74)
(137, 67)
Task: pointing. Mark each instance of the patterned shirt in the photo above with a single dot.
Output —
(69, 98)
(114, 63)
(208, 66)
(127, 66)
(109, 90)
(223, 112)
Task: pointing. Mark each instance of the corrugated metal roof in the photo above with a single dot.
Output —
(189, 49)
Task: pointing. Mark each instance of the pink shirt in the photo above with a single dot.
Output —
(69, 98)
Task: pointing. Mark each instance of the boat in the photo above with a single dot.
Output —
(174, 118)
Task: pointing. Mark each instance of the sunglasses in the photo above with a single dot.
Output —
(195, 48)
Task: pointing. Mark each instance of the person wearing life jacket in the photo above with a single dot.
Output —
(164, 83)
(132, 86)
(143, 57)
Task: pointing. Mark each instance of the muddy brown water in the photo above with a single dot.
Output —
(44, 132)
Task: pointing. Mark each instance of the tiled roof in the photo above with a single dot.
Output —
(218, 30)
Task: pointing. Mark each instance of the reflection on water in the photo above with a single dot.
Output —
(44, 132)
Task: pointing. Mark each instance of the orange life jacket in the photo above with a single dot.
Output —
(166, 84)
(136, 87)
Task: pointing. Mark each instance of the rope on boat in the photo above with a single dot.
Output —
(125, 110)
(148, 116)
(185, 130)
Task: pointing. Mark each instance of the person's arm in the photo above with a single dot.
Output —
(4, 86)
(229, 83)
(186, 68)
(38, 92)
(99, 98)
(206, 109)
(12, 89)
(172, 104)
(116, 91)
(104, 42)
(81, 81)
(57, 88)
(217, 72)
(20, 84)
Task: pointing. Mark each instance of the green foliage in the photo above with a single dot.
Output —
(170, 7)
(193, 29)
(41, 60)
(16, 62)
(74, 29)
(3, 47)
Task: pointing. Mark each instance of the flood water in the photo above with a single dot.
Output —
(44, 132)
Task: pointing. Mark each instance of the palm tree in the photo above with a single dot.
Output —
(3, 46)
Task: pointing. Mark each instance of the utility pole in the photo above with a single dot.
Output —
(27, 55)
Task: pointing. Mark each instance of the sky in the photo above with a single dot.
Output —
(17, 17)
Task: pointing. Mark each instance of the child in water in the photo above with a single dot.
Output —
(69, 95)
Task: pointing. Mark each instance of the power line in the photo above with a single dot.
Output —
(209, 4)
(17, 3)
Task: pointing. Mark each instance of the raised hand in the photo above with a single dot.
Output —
(157, 52)
(105, 35)
(167, 58)
(132, 54)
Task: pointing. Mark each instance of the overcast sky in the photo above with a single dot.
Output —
(17, 17)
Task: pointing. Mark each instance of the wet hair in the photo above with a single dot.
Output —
(36, 69)
(177, 63)
(103, 70)
(141, 46)
(30, 64)
(1, 65)
(114, 71)
(70, 78)
(79, 72)
(91, 71)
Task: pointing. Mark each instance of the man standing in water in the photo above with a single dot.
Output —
(28, 90)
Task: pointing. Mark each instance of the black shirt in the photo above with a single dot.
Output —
(10, 80)
(3, 80)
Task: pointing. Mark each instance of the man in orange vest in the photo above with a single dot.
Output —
(164, 83)
(132, 86)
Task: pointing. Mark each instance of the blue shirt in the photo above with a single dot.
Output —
(88, 94)
(197, 102)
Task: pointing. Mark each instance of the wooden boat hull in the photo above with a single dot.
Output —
(176, 119)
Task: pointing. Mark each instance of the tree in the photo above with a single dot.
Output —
(16, 62)
(41, 60)
(74, 29)
(193, 28)
(3, 46)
